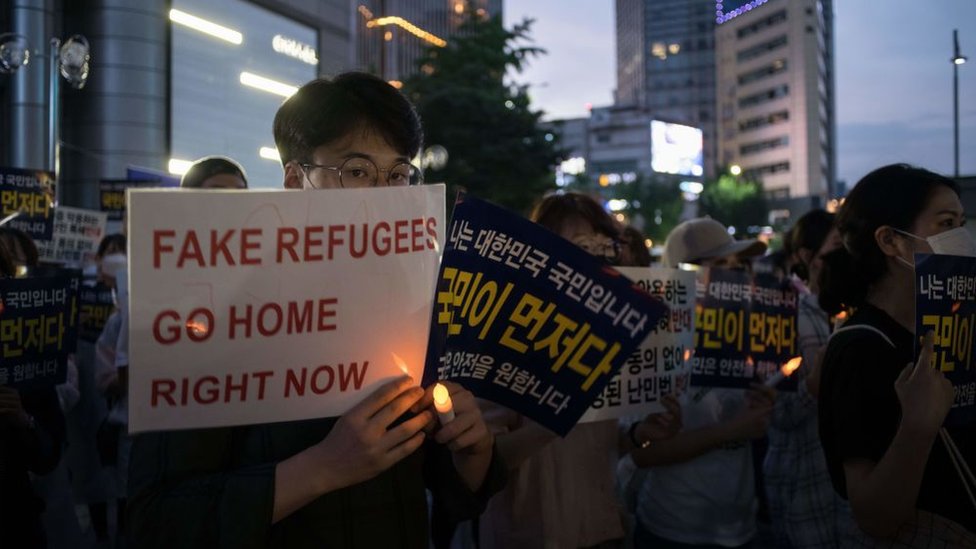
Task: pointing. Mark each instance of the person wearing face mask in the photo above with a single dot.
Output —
(805, 511)
(111, 380)
(94, 483)
(880, 419)
(700, 489)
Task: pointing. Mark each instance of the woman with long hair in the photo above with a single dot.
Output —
(880, 420)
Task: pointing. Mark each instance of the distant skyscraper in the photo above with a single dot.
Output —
(391, 35)
(776, 95)
(666, 63)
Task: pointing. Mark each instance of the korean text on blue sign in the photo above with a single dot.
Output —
(31, 194)
(112, 195)
(38, 329)
(745, 329)
(97, 304)
(528, 320)
(945, 303)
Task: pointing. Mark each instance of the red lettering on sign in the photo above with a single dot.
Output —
(159, 247)
(323, 378)
(247, 244)
(190, 250)
(432, 233)
(401, 235)
(287, 239)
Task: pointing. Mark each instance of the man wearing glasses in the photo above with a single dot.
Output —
(358, 480)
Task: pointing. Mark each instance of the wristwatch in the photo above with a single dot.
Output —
(632, 432)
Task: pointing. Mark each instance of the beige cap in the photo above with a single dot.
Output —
(704, 238)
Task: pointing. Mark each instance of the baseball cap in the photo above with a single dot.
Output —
(704, 238)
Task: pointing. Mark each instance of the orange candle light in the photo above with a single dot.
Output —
(443, 404)
(784, 372)
(400, 363)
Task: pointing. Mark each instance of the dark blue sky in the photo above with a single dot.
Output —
(894, 79)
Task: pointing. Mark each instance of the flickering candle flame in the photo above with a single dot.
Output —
(687, 355)
(400, 363)
(784, 372)
(443, 404)
(199, 328)
(791, 366)
(956, 306)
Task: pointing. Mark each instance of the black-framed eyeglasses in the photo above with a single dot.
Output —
(359, 172)
(607, 249)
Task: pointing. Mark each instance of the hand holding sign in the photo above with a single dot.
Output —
(364, 442)
(12, 409)
(660, 426)
(924, 392)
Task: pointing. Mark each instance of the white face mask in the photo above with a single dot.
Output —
(956, 241)
(113, 263)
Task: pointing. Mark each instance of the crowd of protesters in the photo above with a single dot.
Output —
(856, 457)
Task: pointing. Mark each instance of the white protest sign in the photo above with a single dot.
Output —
(661, 365)
(76, 236)
(264, 306)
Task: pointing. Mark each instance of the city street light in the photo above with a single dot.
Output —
(957, 59)
(71, 59)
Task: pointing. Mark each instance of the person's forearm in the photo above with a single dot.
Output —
(516, 446)
(299, 480)
(472, 468)
(886, 496)
(682, 447)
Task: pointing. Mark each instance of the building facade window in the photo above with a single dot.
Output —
(760, 146)
(773, 20)
(772, 69)
(223, 95)
(757, 122)
(764, 96)
(762, 48)
(768, 169)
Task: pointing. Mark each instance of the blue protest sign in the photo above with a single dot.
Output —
(111, 195)
(161, 178)
(29, 193)
(745, 329)
(945, 303)
(38, 329)
(97, 304)
(526, 319)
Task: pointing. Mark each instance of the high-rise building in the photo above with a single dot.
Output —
(666, 63)
(391, 35)
(775, 95)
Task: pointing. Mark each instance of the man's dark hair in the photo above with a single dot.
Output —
(324, 111)
(209, 166)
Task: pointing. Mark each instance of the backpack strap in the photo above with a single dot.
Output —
(850, 328)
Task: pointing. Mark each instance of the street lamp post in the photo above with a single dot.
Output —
(957, 59)
(70, 60)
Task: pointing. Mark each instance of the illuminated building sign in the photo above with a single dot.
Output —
(729, 9)
(676, 149)
(294, 48)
